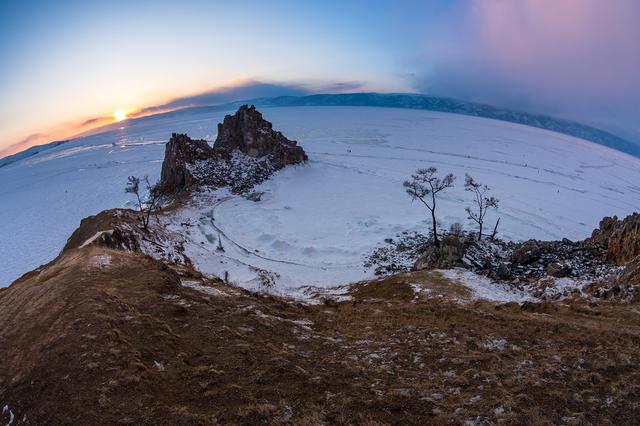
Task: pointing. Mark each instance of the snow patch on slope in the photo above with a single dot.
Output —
(483, 288)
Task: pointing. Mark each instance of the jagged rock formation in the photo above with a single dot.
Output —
(246, 152)
(601, 235)
(181, 152)
(621, 238)
(624, 245)
(247, 132)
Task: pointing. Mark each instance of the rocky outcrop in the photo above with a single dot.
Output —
(623, 247)
(246, 152)
(247, 132)
(181, 152)
(601, 235)
(624, 243)
(109, 228)
(620, 238)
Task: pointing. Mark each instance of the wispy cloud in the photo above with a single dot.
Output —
(249, 90)
(221, 95)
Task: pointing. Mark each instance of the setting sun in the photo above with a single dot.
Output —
(120, 115)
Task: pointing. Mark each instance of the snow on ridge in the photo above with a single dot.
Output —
(483, 288)
(95, 237)
(195, 285)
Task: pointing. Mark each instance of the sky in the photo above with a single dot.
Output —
(69, 65)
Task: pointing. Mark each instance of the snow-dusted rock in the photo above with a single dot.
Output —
(246, 152)
(247, 132)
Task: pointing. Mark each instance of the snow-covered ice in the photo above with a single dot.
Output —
(316, 222)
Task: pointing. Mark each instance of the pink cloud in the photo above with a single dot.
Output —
(577, 58)
(584, 48)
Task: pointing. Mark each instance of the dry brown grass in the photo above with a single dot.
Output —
(125, 343)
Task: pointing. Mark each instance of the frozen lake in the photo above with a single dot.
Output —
(333, 211)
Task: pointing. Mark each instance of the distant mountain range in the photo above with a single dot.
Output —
(403, 100)
(29, 152)
(433, 103)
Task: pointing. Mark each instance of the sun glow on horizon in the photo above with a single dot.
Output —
(119, 115)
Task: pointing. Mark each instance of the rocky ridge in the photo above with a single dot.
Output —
(110, 336)
(605, 265)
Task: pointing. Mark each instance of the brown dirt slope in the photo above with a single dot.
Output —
(101, 336)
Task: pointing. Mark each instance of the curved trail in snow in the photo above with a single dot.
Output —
(238, 245)
(248, 252)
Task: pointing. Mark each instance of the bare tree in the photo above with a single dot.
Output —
(481, 200)
(133, 187)
(425, 186)
(153, 198)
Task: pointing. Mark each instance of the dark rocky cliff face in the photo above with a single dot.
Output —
(247, 132)
(180, 152)
(246, 152)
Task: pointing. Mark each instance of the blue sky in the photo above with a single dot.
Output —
(69, 62)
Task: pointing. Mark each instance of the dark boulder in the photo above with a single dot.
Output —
(255, 196)
(558, 270)
(449, 254)
(527, 253)
(452, 249)
(503, 272)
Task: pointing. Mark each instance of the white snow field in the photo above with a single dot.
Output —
(317, 222)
